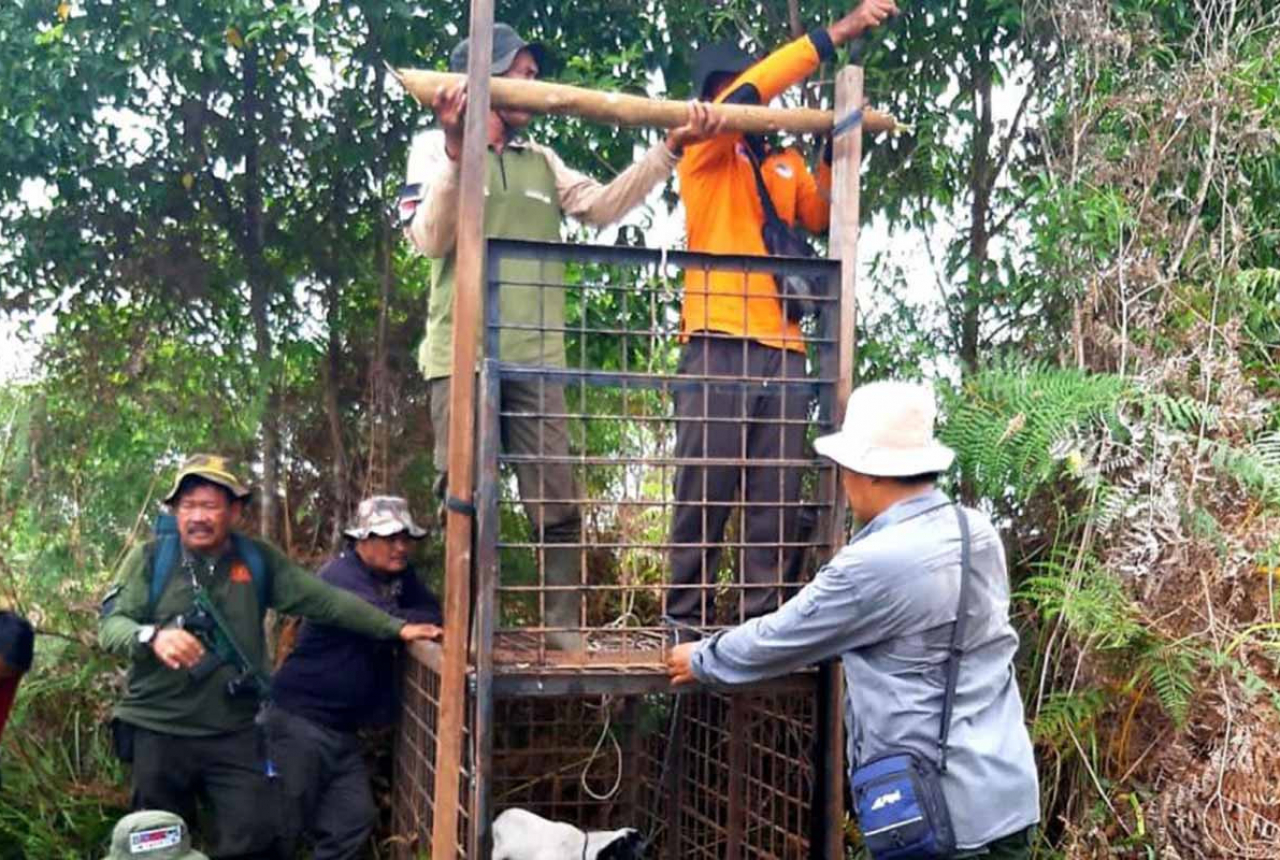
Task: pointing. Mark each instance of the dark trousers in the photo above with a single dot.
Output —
(752, 425)
(224, 773)
(324, 785)
(533, 426)
(1015, 846)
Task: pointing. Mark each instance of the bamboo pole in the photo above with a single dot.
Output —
(468, 284)
(846, 198)
(610, 108)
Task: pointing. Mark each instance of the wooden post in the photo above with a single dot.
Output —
(845, 213)
(458, 529)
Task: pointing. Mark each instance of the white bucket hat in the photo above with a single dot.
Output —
(383, 516)
(888, 432)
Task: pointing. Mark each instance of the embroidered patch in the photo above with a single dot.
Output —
(146, 841)
(784, 170)
(240, 573)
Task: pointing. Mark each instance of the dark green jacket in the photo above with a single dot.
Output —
(165, 700)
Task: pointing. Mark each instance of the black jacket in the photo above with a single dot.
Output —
(343, 680)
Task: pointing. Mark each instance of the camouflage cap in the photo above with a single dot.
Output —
(152, 835)
(212, 468)
(383, 516)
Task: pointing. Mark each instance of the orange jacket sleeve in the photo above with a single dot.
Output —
(813, 198)
(776, 73)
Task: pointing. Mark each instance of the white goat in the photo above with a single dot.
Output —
(522, 835)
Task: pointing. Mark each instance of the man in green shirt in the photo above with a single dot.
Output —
(528, 191)
(185, 721)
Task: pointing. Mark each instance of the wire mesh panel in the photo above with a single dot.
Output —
(655, 469)
(698, 775)
(415, 758)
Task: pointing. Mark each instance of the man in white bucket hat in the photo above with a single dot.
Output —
(335, 683)
(888, 604)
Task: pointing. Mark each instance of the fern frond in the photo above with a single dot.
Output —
(1065, 714)
(1011, 428)
(1173, 672)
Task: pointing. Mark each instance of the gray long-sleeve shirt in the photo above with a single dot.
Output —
(886, 604)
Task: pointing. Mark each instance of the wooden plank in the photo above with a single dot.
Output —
(458, 528)
(611, 108)
(846, 188)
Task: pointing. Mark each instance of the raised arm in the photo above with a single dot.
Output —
(781, 70)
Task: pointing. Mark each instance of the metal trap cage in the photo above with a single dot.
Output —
(636, 472)
(708, 775)
(614, 445)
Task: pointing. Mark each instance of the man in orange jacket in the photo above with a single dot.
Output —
(734, 325)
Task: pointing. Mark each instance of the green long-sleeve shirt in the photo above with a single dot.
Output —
(167, 700)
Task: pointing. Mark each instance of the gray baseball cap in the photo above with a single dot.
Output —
(152, 835)
(506, 44)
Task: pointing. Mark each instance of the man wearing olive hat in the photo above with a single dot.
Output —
(529, 190)
(152, 835)
(336, 682)
(888, 605)
(185, 723)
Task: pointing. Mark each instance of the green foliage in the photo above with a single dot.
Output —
(1173, 671)
(1065, 715)
(1006, 425)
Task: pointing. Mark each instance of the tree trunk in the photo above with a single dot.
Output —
(260, 283)
(628, 110)
(333, 410)
(980, 188)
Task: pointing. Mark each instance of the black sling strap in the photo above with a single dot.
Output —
(957, 640)
(770, 212)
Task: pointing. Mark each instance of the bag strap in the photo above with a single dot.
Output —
(770, 213)
(168, 550)
(957, 639)
(163, 559)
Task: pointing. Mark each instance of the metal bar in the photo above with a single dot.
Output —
(487, 525)
(632, 256)
(655, 381)
(546, 683)
(737, 771)
(466, 320)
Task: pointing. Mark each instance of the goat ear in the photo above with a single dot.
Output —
(625, 847)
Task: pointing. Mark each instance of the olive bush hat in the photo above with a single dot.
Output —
(212, 468)
(152, 835)
(506, 44)
(383, 516)
(888, 432)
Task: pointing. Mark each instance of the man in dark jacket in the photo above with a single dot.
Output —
(335, 682)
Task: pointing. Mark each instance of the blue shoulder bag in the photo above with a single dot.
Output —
(901, 809)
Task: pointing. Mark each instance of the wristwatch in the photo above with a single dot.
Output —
(146, 633)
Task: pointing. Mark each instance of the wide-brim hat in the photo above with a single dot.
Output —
(506, 44)
(212, 468)
(152, 834)
(888, 432)
(383, 516)
(718, 57)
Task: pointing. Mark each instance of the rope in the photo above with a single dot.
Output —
(605, 701)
